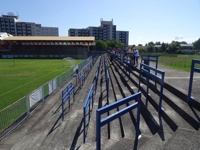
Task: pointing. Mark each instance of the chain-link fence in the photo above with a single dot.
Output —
(12, 115)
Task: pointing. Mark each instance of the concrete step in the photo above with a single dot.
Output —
(111, 144)
(156, 142)
(183, 139)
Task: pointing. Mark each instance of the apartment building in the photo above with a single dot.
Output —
(122, 37)
(106, 31)
(79, 32)
(24, 28)
(38, 30)
(11, 24)
(7, 23)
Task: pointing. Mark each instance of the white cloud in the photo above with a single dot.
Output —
(178, 38)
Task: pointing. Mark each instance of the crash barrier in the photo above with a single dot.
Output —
(193, 69)
(14, 114)
(87, 109)
(145, 69)
(103, 121)
(87, 104)
(66, 94)
(66, 89)
(107, 78)
(97, 74)
(126, 65)
(146, 59)
(126, 60)
(80, 76)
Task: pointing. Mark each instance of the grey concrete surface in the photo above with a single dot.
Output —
(176, 128)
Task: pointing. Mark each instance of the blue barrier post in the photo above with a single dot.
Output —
(147, 70)
(66, 96)
(101, 122)
(86, 108)
(146, 59)
(98, 130)
(193, 69)
(107, 84)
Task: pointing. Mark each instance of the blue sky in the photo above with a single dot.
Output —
(146, 20)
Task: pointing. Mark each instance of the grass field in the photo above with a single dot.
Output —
(181, 62)
(19, 77)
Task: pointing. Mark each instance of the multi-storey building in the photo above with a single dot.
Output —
(107, 31)
(24, 28)
(38, 30)
(97, 32)
(12, 25)
(122, 37)
(79, 32)
(7, 23)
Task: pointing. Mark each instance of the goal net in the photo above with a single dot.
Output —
(68, 61)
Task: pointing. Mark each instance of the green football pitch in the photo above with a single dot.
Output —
(19, 77)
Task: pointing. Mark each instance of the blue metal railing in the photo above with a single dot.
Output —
(101, 122)
(66, 96)
(97, 74)
(87, 109)
(107, 79)
(146, 59)
(66, 89)
(107, 84)
(80, 78)
(147, 71)
(193, 69)
(127, 65)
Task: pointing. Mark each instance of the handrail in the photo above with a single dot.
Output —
(86, 110)
(101, 122)
(193, 69)
(145, 69)
(107, 79)
(67, 88)
(65, 97)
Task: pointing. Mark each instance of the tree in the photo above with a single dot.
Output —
(197, 44)
(101, 45)
(142, 50)
(157, 43)
(121, 45)
(111, 44)
(150, 48)
(151, 43)
(173, 47)
(114, 44)
(183, 42)
(164, 47)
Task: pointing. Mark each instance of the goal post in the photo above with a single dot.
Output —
(68, 61)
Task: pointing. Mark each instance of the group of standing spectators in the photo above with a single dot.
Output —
(130, 57)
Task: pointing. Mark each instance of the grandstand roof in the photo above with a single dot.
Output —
(49, 38)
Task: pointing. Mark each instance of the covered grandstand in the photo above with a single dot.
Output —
(45, 47)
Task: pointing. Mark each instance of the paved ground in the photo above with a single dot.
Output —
(176, 129)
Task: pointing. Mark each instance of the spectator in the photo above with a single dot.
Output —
(133, 57)
(136, 55)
